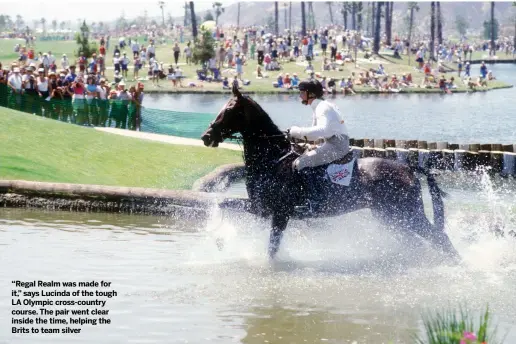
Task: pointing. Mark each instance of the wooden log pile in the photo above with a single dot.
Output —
(495, 158)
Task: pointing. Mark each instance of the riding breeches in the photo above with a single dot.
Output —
(332, 149)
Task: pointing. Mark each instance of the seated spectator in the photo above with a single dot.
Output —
(451, 84)
(490, 76)
(286, 81)
(332, 87)
(225, 84)
(275, 65)
(380, 70)
(279, 82)
(294, 81)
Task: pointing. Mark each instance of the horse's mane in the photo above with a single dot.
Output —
(259, 112)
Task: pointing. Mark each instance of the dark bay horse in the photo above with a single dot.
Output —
(390, 189)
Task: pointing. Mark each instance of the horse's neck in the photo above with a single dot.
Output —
(263, 144)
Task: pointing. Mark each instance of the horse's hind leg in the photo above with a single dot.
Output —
(279, 224)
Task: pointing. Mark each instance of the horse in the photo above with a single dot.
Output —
(390, 189)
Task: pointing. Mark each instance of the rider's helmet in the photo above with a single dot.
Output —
(313, 88)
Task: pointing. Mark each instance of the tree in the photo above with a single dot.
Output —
(514, 38)
(303, 19)
(204, 48)
(373, 17)
(432, 30)
(330, 4)
(194, 20)
(359, 16)
(19, 21)
(170, 20)
(82, 39)
(62, 25)
(378, 25)
(387, 24)
(218, 11)
(439, 23)
(290, 16)
(54, 25)
(493, 47)
(488, 29)
(276, 18)
(208, 16)
(238, 15)
(285, 6)
(161, 5)
(43, 22)
(353, 15)
(413, 7)
(461, 24)
(344, 10)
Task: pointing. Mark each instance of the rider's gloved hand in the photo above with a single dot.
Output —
(294, 132)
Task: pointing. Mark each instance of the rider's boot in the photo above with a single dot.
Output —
(311, 202)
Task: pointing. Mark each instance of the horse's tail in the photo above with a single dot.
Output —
(437, 196)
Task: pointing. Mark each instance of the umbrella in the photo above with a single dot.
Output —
(208, 25)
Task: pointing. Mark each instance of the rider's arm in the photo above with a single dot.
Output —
(322, 129)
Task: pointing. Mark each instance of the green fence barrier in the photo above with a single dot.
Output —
(108, 113)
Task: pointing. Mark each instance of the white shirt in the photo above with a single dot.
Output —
(326, 123)
(16, 81)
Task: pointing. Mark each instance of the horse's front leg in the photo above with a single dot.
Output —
(279, 224)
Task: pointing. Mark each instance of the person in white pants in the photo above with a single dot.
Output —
(327, 124)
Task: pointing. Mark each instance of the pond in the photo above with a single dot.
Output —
(481, 117)
(338, 280)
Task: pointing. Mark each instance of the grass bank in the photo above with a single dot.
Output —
(39, 149)
(165, 54)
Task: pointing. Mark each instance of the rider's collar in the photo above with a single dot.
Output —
(315, 102)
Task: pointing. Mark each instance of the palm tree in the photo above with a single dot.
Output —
(218, 10)
(514, 42)
(439, 24)
(276, 18)
(387, 30)
(161, 5)
(373, 16)
(238, 16)
(353, 15)
(359, 16)
(493, 47)
(285, 6)
(432, 30)
(412, 6)
(344, 11)
(303, 19)
(330, 4)
(378, 14)
(194, 20)
(290, 16)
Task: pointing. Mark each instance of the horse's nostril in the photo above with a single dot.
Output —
(206, 139)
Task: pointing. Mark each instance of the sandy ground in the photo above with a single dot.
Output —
(175, 140)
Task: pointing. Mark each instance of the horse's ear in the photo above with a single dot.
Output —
(236, 91)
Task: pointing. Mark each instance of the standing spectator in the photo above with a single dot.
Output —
(176, 50)
(64, 62)
(124, 63)
(188, 53)
(116, 62)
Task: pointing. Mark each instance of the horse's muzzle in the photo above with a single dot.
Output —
(208, 139)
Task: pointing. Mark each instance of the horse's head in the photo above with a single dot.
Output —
(230, 120)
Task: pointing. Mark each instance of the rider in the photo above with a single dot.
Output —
(327, 124)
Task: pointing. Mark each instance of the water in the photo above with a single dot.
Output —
(481, 117)
(341, 280)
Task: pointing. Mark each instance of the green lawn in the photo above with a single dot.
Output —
(164, 54)
(39, 149)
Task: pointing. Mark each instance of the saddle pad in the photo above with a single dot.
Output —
(341, 174)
